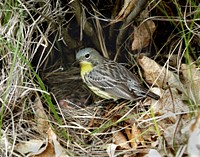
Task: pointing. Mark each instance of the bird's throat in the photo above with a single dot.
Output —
(86, 67)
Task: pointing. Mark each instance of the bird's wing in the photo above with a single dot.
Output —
(113, 81)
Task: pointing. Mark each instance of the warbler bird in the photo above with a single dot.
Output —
(109, 79)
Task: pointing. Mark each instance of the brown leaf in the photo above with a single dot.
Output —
(160, 76)
(196, 123)
(137, 136)
(170, 104)
(49, 151)
(59, 150)
(134, 135)
(125, 11)
(120, 140)
(128, 133)
(191, 75)
(143, 34)
(33, 148)
(40, 117)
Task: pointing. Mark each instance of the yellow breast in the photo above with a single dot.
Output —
(86, 67)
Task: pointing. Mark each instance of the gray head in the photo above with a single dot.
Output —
(89, 55)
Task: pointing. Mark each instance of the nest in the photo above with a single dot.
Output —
(39, 103)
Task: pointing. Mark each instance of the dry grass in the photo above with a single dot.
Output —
(30, 32)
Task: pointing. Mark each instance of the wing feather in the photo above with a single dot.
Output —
(114, 81)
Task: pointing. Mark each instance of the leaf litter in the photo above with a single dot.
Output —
(145, 128)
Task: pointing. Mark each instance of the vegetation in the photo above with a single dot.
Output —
(44, 105)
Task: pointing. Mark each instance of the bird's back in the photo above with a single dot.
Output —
(117, 81)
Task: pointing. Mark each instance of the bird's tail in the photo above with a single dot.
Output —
(153, 95)
(147, 92)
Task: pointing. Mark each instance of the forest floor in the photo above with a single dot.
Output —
(46, 109)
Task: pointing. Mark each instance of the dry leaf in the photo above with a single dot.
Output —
(172, 134)
(143, 34)
(111, 149)
(47, 151)
(192, 82)
(40, 117)
(59, 150)
(31, 146)
(128, 131)
(153, 153)
(155, 74)
(135, 136)
(34, 147)
(125, 11)
(170, 104)
(196, 123)
(194, 143)
(194, 138)
(120, 140)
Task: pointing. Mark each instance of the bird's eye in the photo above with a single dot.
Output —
(87, 55)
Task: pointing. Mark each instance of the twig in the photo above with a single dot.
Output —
(120, 38)
(83, 23)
